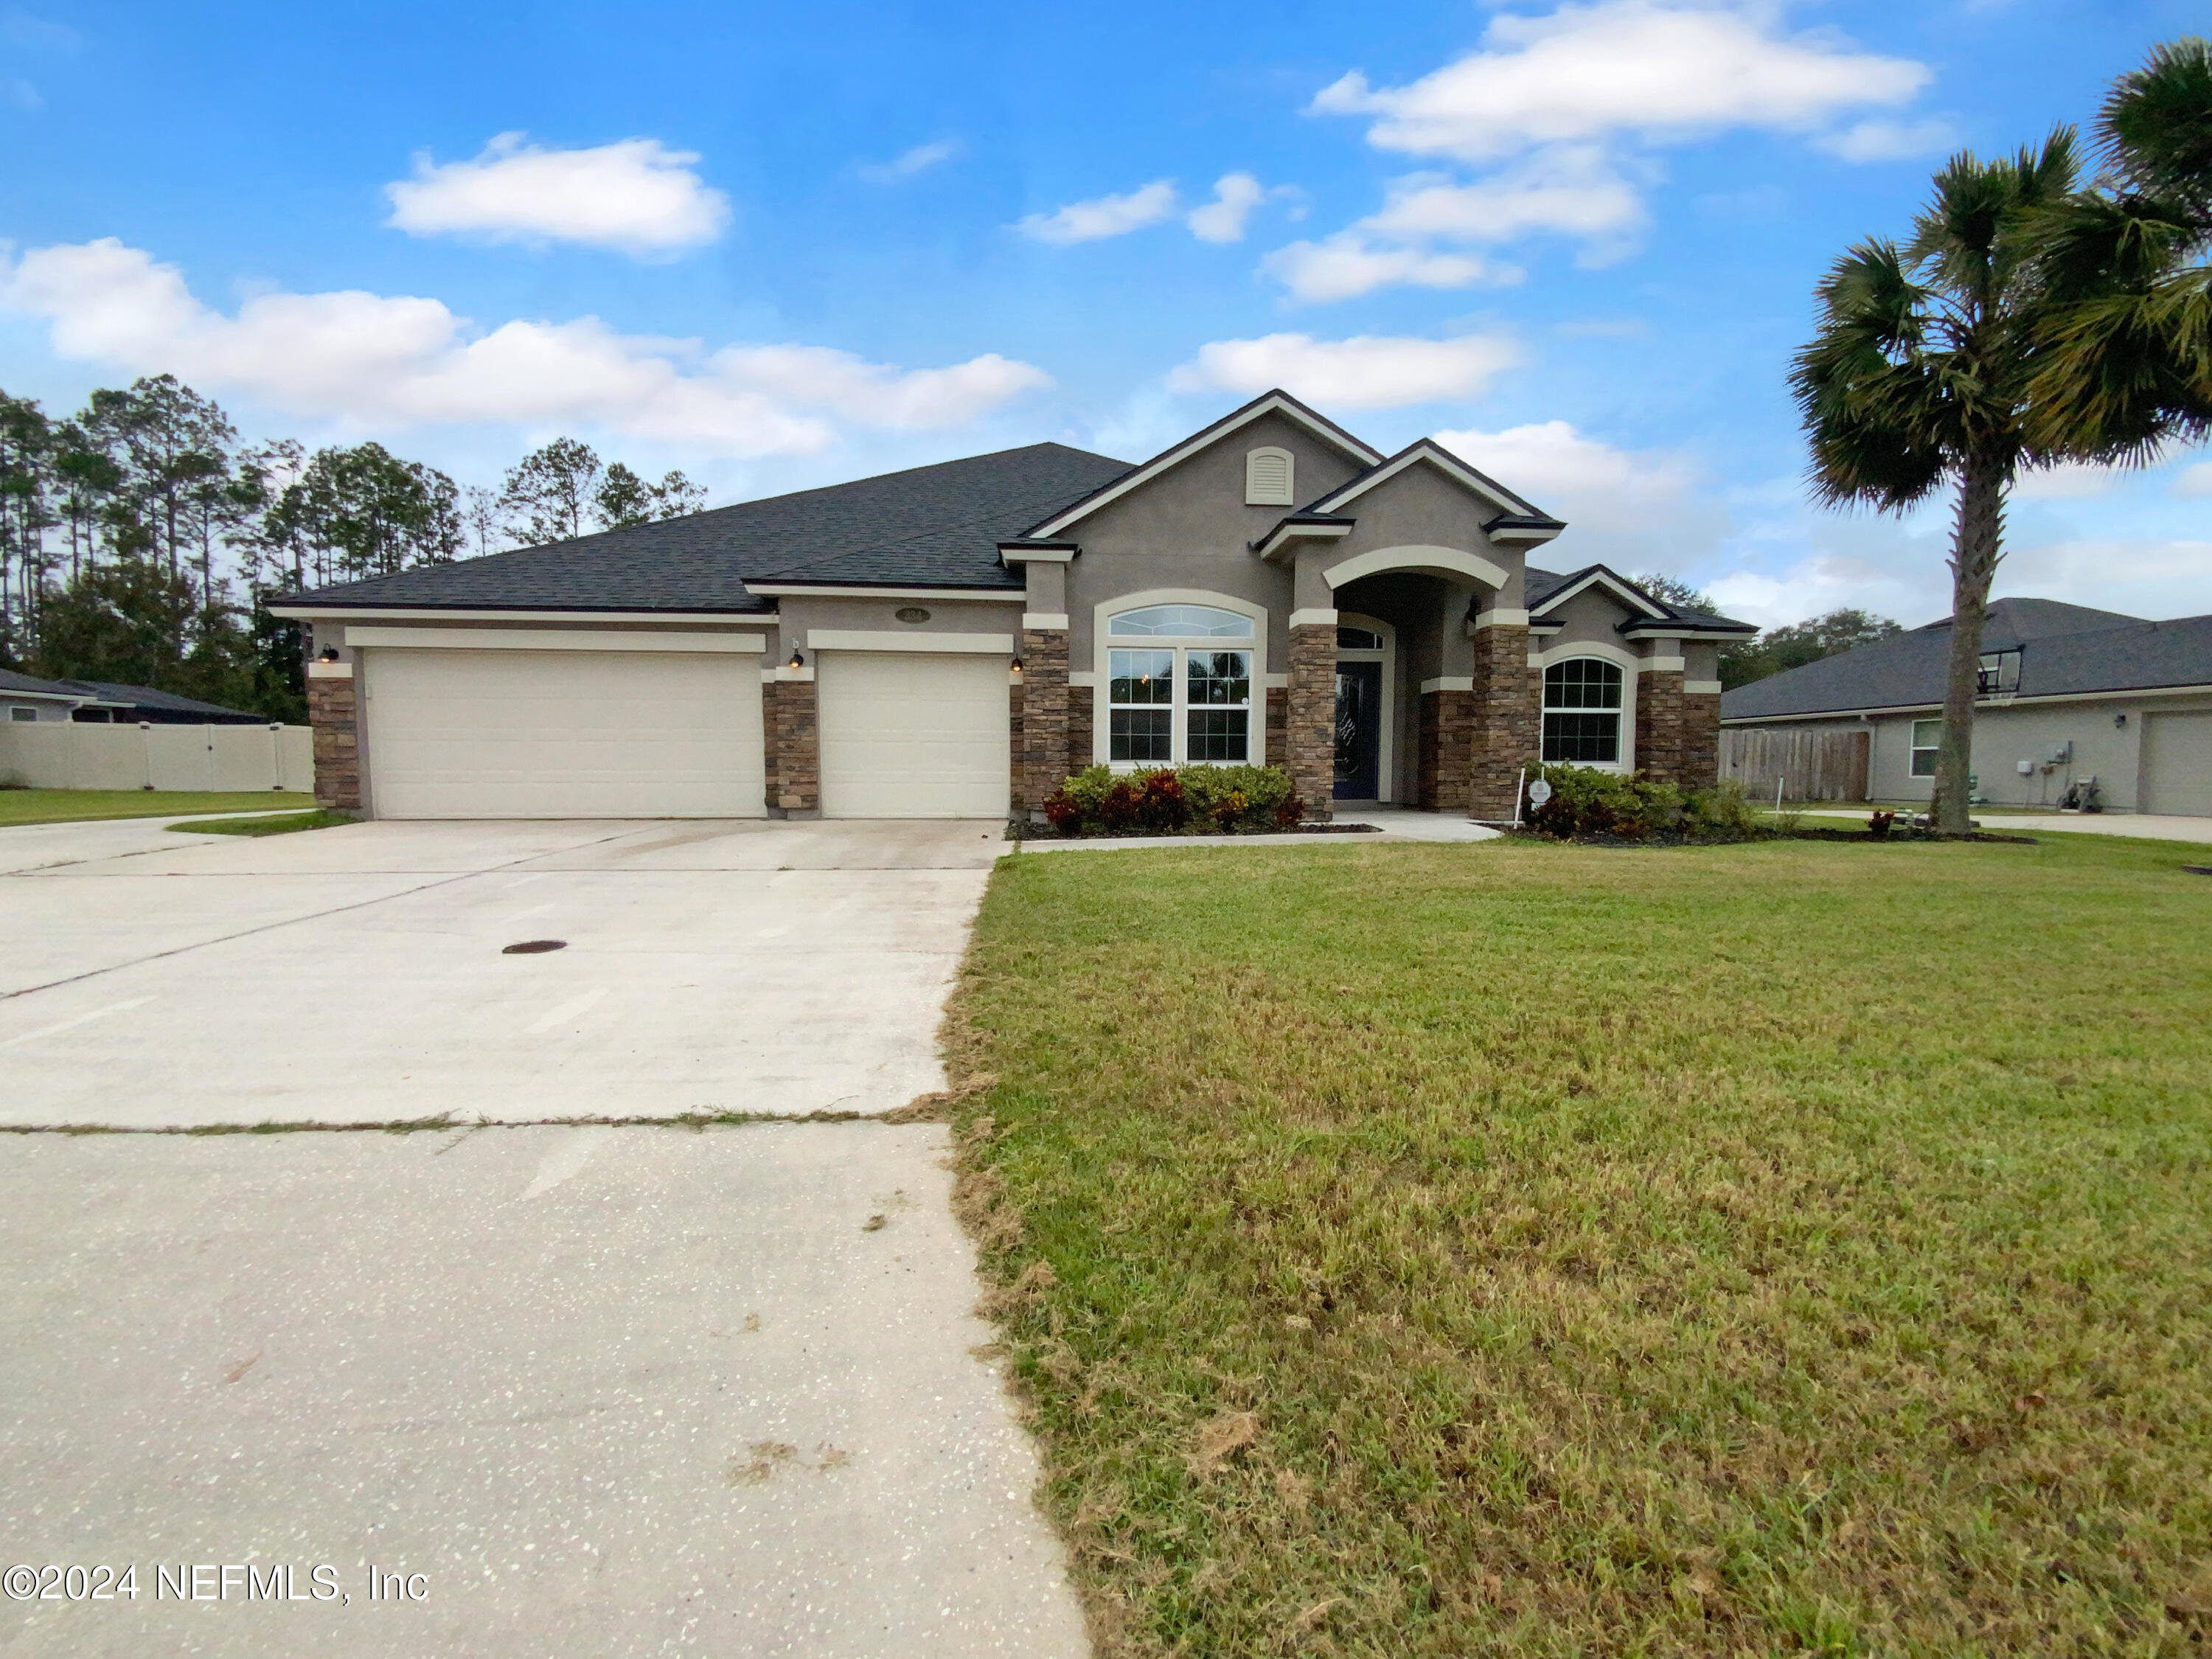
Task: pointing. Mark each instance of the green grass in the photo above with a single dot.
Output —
(1547, 1250)
(277, 824)
(68, 806)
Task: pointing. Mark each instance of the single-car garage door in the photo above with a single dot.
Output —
(913, 735)
(564, 734)
(2177, 764)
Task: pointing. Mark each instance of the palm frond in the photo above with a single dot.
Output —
(2156, 125)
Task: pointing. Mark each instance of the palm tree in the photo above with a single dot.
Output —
(1917, 378)
(2125, 350)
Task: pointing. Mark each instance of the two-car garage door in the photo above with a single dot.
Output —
(469, 733)
(560, 734)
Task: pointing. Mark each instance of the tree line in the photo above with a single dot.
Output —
(1777, 649)
(140, 538)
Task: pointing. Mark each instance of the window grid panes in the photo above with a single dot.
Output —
(1187, 622)
(1140, 712)
(1581, 712)
(1219, 685)
(1927, 739)
(1205, 695)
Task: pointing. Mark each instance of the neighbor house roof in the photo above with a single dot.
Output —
(2065, 650)
(110, 694)
(928, 526)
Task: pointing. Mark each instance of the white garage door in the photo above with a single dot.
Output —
(565, 734)
(913, 735)
(2177, 764)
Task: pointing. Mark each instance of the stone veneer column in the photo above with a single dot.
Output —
(1701, 739)
(333, 714)
(1310, 729)
(1044, 759)
(1447, 750)
(1275, 750)
(1659, 723)
(1507, 718)
(793, 740)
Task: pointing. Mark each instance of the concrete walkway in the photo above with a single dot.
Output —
(2145, 826)
(606, 1390)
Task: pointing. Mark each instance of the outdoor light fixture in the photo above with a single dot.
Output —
(1018, 668)
(2120, 722)
(797, 661)
(330, 653)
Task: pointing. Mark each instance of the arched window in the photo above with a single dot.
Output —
(1180, 698)
(1581, 712)
(1269, 475)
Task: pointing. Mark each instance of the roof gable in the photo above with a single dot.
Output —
(1271, 403)
(1428, 451)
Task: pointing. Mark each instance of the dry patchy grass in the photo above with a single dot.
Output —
(1551, 1251)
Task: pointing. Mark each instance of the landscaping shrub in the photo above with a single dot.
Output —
(1630, 806)
(1220, 799)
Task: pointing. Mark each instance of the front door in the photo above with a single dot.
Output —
(1359, 731)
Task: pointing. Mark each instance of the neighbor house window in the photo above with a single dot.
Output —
(1927, 739)
(2000, 672)
(19, 713)
(1581, 712)
(1183, 699)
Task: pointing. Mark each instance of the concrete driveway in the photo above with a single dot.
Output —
(645, 1389)
(358, 975)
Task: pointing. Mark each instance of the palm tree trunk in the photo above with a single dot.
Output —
(1978, 544)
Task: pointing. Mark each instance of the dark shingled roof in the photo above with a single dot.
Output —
(2064, 650)
(929, 526)
(144, 700)
(1537, 587)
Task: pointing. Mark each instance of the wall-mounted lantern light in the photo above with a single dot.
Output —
(797, 661)
(330, 653)
(1018, 668)
(2119, 722)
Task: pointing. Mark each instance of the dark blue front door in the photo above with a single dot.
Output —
(1359, 730)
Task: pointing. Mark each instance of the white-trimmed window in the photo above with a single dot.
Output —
(1269, 477)
(1179, 697)
(1927, 739)
(18, 712)
(1581, 712)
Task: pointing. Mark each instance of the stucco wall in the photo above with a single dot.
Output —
(2005, 736)
(39, 710)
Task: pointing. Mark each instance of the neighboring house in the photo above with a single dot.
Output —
(954, 639)
(25, 697)
(2067, 693)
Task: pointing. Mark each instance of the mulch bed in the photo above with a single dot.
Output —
(1017, 830)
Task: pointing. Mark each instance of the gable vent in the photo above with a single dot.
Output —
(1267, 478)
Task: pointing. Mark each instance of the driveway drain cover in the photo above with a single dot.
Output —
(531, 947)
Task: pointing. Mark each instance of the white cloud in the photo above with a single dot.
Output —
(1814, 586)
(1632, 509)
(1365, 372)
(919, 159)
(2137, 576)
(361, 358)
(1222, 219)
(1108, 216)
(2195, 480)
(1570, 191)
(636, 196)
(2068, 481)
(1346, 264)
(1891, 141)
(1584, 72)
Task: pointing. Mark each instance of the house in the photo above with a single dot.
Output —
(2067, 693)
(952, 640)
(25, 697)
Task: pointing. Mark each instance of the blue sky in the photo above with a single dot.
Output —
(783, 246)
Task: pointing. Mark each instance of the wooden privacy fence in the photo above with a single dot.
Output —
(1810, 765)
(83, 755)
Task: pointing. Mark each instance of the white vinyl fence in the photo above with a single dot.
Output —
(73, 754)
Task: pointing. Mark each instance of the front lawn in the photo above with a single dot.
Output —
(66, 806)
(1547, 1250)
